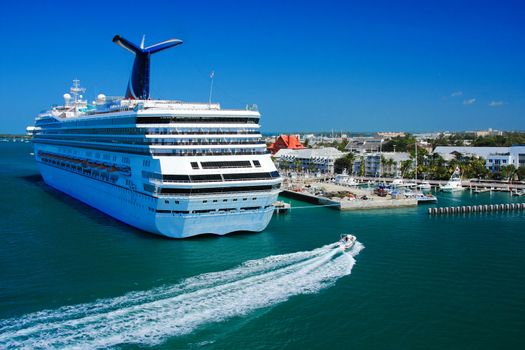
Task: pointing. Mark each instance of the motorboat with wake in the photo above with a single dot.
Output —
(347, 241)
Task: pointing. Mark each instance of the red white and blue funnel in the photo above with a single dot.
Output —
(138, 86)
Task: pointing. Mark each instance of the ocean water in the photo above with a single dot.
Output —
(71, 276)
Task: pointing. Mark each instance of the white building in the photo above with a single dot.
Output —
(373, 167)
(495, 156)
(496, 160)
(309, 159)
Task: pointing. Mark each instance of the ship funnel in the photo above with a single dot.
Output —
(138, 86)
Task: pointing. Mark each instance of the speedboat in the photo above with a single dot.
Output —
(425, 198)
(454, 184)
(347, 241)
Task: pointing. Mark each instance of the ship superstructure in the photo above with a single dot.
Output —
(169, 167)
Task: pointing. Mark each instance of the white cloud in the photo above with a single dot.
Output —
(469, 101)
(496, 103)
(456, 93)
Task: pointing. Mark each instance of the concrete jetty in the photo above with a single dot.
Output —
(347, 204)
(477, 208)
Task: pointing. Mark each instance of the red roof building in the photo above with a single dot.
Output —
(285, 141)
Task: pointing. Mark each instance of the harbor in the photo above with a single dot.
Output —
(262, 175)
(408, 255)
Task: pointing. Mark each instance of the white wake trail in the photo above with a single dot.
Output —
(149, 317)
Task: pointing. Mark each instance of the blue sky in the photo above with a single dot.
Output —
(341, 65)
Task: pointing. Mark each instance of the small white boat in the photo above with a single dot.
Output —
(425, 186)
(347, 241)
(398, 182)
(454, 184)
(425, 198)
(345, 179)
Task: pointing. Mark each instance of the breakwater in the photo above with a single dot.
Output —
(477, 208)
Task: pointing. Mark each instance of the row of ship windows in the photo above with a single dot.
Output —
(222, 165)
(148, 141)
(97, 155)
(209, 190)
(151, 120)
(211, 177)
(209, 152)
(211, 211)
(154, 131)
(162, 152)
(101, 175)
(204, 119)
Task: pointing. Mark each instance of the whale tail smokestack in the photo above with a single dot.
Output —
(138, 86)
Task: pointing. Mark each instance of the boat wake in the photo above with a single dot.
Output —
(149, 317)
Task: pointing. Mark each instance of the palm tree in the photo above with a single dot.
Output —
(297, 164)
(405, 165)
(362, 166)
(508, 172)
(384, 162)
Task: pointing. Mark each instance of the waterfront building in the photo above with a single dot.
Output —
(315, 160)
(495, 157)
(292, 142)
(495, 161)
(391, 165)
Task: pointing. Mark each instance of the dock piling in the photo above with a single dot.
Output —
(482, 208)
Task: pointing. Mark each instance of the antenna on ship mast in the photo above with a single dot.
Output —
(212, 74)
(76, 90)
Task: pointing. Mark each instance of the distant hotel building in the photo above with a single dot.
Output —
(388, 135)
(372, 165)
(286, 142)
(488, 132)
(314, 160)
(495, 157)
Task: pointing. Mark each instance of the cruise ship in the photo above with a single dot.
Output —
(167, 167)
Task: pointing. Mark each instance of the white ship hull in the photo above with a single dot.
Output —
(131, 207)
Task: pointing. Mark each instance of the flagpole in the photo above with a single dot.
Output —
(211, 87)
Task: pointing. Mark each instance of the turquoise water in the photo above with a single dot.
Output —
(438, 282)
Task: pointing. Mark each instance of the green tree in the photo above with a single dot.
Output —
(362, 166)
(521, 173)
(405, 166)
(508, 172)
(400, 143)
(297, 165)
(345, 162)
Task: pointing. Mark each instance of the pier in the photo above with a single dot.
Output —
(477, 208)
(473, 184)
(345, 204)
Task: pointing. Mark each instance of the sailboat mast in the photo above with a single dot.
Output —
(415, 176)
